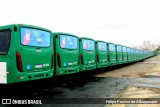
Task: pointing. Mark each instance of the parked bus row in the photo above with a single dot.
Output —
(30, 53)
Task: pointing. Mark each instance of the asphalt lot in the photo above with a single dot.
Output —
(101, 83)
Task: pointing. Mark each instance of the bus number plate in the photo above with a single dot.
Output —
(38, 66)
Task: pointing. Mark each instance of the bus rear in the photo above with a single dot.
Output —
(124, 54)
(128, 54)
(87, 54)
(137, 57)
(141, 55)
(112, 54)
(101, 54)
(26, 54)
(66, 53)
(119, 54)
(132, 55)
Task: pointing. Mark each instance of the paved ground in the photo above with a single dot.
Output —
(103, 83)
(136, 92)
(145, 68)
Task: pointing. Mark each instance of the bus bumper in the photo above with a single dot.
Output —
(119, 62)
(102, 65)
(111, 63)
(64, 71)
(28, 76)
(87, 67)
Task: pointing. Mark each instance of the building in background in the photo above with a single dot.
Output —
(144, 45)
(147, 45)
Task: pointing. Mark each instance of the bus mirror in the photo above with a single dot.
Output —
(56, 36)
(15, 28)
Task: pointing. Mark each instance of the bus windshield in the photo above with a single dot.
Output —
(4, 41)
(102, 46)
(35, 37)
(124, 49)
(68, 42)
(88, 44)
(119, 48)
(111, 47)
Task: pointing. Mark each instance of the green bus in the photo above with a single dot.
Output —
(132, 55)
(124, 54)
(111, 54)
(128, 54)
(66, 53)
(119, 54)
(137, 55)
(146, 54)
(101, 54)
(154, 53)
(26, 53)
(141, 54)
(87, 54)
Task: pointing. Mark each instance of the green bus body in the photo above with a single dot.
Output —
(101, 54)
(66, 53)
(30, 53)
(24, 53)
(145, 54)
(124, 54)
(87, 54)
(136, 54)
(139, 55)
(132, 55)
(141, 52)
(154, 53)
(119, 54)
(111, 54)
(129, 55)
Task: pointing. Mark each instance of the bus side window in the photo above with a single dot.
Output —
(4, 41)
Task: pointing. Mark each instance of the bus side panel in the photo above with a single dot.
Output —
(7, 62)
(3, 72)
(11, 61)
